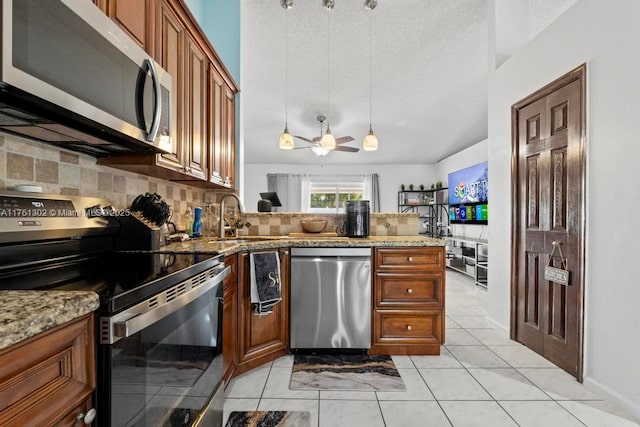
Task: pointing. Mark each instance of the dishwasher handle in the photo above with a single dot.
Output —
(331, 252)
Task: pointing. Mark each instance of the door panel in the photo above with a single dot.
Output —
(548, 188)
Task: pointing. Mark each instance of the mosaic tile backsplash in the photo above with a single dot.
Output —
(283, 223)
(59, 171)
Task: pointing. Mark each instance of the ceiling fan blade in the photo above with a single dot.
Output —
(317, 139)
(304, 139)
(300, 148)
(344, 139)
(348, 149)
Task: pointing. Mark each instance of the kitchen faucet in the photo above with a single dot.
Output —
(221, 226)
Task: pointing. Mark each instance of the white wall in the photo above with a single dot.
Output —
(477, 153)
(391, 176)
(604, 35)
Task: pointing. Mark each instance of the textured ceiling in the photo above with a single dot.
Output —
(429, 76)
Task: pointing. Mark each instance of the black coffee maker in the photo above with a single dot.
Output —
(357, 218)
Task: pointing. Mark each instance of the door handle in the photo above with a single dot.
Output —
(157, 109)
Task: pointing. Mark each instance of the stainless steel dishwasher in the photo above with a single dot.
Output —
(330, 298)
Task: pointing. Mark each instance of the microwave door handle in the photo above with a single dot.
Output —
(136, 323)
(155, 124)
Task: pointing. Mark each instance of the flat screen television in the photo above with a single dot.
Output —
(469, 195)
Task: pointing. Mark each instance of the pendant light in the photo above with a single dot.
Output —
(328, 141)
(370, 142)
(286, 140)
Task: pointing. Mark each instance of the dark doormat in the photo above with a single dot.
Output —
(345, 372)
(269, 419)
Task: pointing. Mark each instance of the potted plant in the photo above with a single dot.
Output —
(439, 184)
(402, 187)
(421, 187)
(411, 187)
(433, 186)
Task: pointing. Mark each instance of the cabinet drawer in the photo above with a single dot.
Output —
(409, 289)
(410, 259)
(409, 326)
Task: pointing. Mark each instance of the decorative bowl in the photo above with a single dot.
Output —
(313, 225)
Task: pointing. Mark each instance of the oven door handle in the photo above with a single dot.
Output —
(137, 322)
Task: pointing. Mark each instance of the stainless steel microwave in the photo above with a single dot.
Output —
(71, 77)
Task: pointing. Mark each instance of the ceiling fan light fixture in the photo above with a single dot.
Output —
(319, 151)
(370, 142)
(286, 4)
(328, 4)
(286, 140)
(328, 141)
(370, 4)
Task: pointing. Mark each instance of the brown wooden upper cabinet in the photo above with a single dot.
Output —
(135, 17)
(222, 130)
(203, 149)
(195, 119)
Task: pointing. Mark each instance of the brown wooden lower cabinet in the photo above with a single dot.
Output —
(408, 314)
(408, 300)
(261, 338)
(49, 379)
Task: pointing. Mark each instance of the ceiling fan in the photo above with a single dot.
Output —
(315, 142)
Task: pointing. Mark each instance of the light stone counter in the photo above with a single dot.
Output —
(231, 246)
(24, 314)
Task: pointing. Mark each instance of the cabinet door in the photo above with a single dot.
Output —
(49, 379)
(216, 125)
(195, 118)
(170, 55)
(230, 319)
(263, 338)
(229, 139)
(135, 17)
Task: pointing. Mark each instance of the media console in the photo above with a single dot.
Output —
(469, 256)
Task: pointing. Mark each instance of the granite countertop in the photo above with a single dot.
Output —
(231, 246)
(24, 314)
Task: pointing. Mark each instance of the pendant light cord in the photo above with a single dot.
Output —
(286, 70)
(370, 68)
(328, 60)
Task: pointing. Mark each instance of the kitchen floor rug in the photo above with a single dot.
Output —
(345, 372)
(269, 419)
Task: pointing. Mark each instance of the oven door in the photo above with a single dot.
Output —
(165, 363)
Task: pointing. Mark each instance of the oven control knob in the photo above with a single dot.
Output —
(88, 417)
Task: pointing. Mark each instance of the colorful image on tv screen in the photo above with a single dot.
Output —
(469, 185)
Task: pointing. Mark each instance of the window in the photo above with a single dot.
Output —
(325, 196)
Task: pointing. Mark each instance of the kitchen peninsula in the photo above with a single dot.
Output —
(407, 307)
(408, 287)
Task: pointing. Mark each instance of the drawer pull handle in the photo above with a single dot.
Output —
(87, 418)
(409, 327)
(410, 259)
(409, 291)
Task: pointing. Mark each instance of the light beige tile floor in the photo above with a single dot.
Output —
(481, 378)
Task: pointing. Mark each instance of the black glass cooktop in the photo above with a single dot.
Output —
(121, 279)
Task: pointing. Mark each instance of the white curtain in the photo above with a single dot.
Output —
(305, 192)
(289, 189)
(372, 191)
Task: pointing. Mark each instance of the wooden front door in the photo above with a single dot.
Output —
(548, 174)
